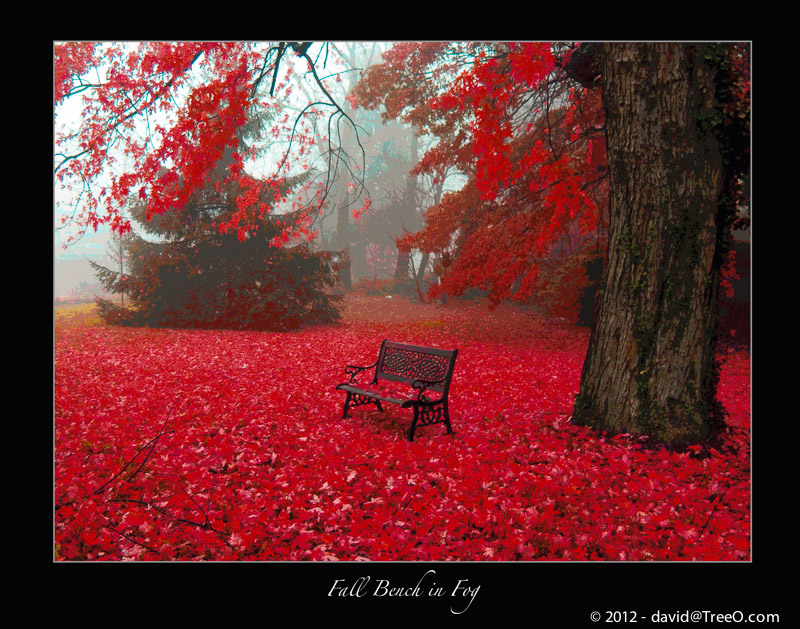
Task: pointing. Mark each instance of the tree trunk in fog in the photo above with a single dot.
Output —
(423, 263)
(650, 369)
(359, 268)
(410, 218)
(342, 238)
(403, 267)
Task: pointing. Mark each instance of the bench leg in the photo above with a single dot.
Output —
(447, 419)
(357, 400)
(347, 404)
(413, 424)
(428, 416)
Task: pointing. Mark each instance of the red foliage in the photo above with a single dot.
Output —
(529, 140)
(169, 111)
(71, 61)
(215, 445)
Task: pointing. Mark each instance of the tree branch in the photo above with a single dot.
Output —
(152, 443)
(134, 111)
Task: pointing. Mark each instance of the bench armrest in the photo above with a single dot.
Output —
(354, 370)
(422, 385)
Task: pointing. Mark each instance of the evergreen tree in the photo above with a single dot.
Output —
(196, 275)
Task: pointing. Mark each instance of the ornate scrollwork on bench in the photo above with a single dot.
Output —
(353, 371)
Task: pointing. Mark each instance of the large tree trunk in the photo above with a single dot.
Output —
(650, 369)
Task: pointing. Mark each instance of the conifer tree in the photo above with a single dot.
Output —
(193, 274)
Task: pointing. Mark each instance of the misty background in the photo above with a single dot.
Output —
(398, 200)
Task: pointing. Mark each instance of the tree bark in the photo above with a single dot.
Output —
(650, 369)
(402, 269)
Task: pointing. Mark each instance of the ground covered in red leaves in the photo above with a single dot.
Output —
(229, 445)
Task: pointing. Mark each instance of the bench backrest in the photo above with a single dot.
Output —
(405, 363)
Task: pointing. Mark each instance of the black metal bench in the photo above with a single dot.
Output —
(426, 370)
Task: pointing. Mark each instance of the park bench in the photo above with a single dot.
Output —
(410, 376)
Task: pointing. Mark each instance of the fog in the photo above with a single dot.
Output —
(388, 152)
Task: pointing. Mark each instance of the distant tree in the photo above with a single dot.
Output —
(527, 141)
(395, 193)
(387, 153)
(201, 276)
(116, 250)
